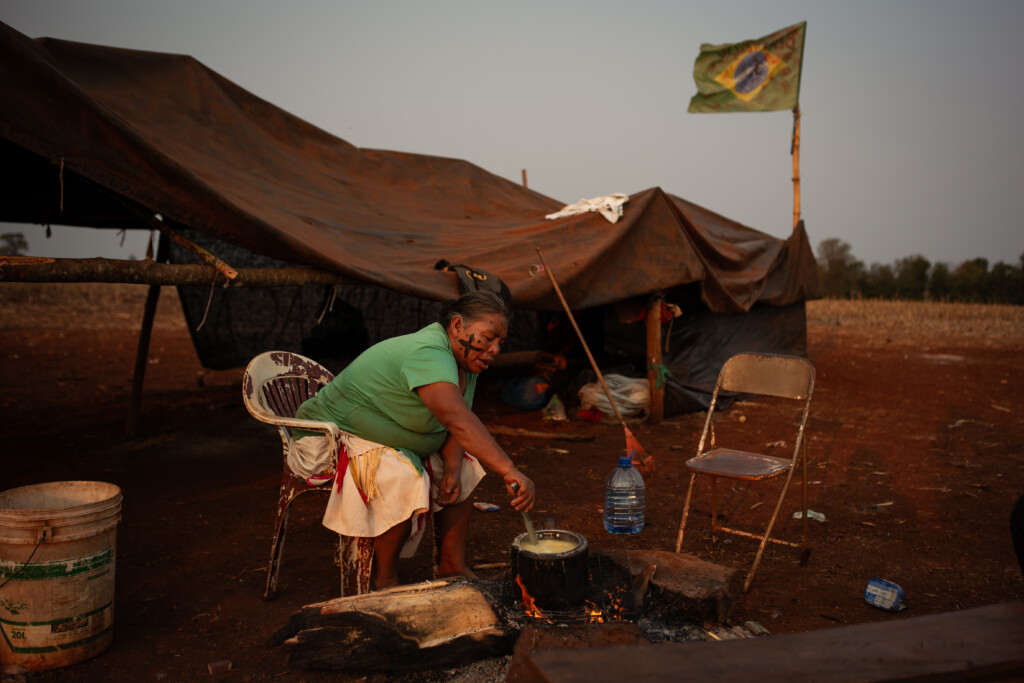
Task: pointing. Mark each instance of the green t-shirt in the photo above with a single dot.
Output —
(375, 398)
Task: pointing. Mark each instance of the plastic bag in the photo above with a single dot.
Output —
(526, 393)
(555, 409)
(632, 397)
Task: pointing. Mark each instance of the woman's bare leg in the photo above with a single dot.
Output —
(386, 548)
(452, 527)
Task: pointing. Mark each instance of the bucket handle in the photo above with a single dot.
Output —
(44, 533)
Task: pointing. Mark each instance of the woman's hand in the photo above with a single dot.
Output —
(523, 494)
(450, 487)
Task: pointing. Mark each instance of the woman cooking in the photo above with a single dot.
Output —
(413, 444)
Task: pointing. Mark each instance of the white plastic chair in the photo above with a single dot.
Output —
(275, 384)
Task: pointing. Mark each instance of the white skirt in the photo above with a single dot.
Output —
(380, 487)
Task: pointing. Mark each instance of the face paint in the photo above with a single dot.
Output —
(467, 346)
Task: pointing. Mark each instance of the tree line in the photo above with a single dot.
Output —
(916, 278)
(13, 244)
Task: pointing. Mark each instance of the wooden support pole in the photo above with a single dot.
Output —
(142, 352)
(654, 361)
(524, 178)
(795, 150)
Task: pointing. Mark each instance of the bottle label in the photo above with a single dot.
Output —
(884, 594)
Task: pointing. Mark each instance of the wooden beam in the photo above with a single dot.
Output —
(145, 272)
(654, 361)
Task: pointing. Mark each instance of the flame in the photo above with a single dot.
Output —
(594, 614)
(529, 606)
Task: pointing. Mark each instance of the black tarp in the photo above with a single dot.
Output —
(696, 345)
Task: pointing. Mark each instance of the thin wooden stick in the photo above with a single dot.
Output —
(590, 357)
(153, 223)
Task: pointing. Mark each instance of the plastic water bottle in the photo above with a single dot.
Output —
(624, 499)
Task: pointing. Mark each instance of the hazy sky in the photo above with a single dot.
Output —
(910, 135)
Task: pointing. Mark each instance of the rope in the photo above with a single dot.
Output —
(208, 301)
(22, 568)
(663, 373)
(329, 305)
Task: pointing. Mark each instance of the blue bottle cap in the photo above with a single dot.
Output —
(625, 461)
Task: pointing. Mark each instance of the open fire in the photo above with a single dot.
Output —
(589, 612)
(611, 593)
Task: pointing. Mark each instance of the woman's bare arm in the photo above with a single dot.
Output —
(446, 403)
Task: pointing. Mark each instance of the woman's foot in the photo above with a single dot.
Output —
(378, 583)
(386, 548)
(451, 525)
(465, 572)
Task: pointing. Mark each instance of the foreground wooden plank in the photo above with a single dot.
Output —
(981, 644)
(406, 628)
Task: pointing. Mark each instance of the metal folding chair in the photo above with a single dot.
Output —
(757, 374)
(275, 384)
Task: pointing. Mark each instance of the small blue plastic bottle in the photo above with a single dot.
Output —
(624, 499)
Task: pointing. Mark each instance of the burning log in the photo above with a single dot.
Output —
(430, 625)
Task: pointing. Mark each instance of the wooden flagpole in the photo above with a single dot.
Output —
(795, 151)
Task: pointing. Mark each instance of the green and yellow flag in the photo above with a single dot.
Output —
(755, 75)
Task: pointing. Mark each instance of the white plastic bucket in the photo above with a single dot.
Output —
(57, 552)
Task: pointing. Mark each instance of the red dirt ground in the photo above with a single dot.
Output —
(915, 461)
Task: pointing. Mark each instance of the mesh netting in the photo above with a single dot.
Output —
(243, 322)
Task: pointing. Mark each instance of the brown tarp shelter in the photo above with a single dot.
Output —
(84, 127)
(93, 135)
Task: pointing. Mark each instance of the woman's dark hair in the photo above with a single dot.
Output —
(473, 306)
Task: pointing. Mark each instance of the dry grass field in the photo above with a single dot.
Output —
(984, 322)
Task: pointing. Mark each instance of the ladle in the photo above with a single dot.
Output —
(526, 518)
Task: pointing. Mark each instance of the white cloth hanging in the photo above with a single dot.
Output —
(609, 206)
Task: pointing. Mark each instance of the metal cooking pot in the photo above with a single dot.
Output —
(554, 581)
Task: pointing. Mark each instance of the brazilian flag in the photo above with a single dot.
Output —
(755, 75)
